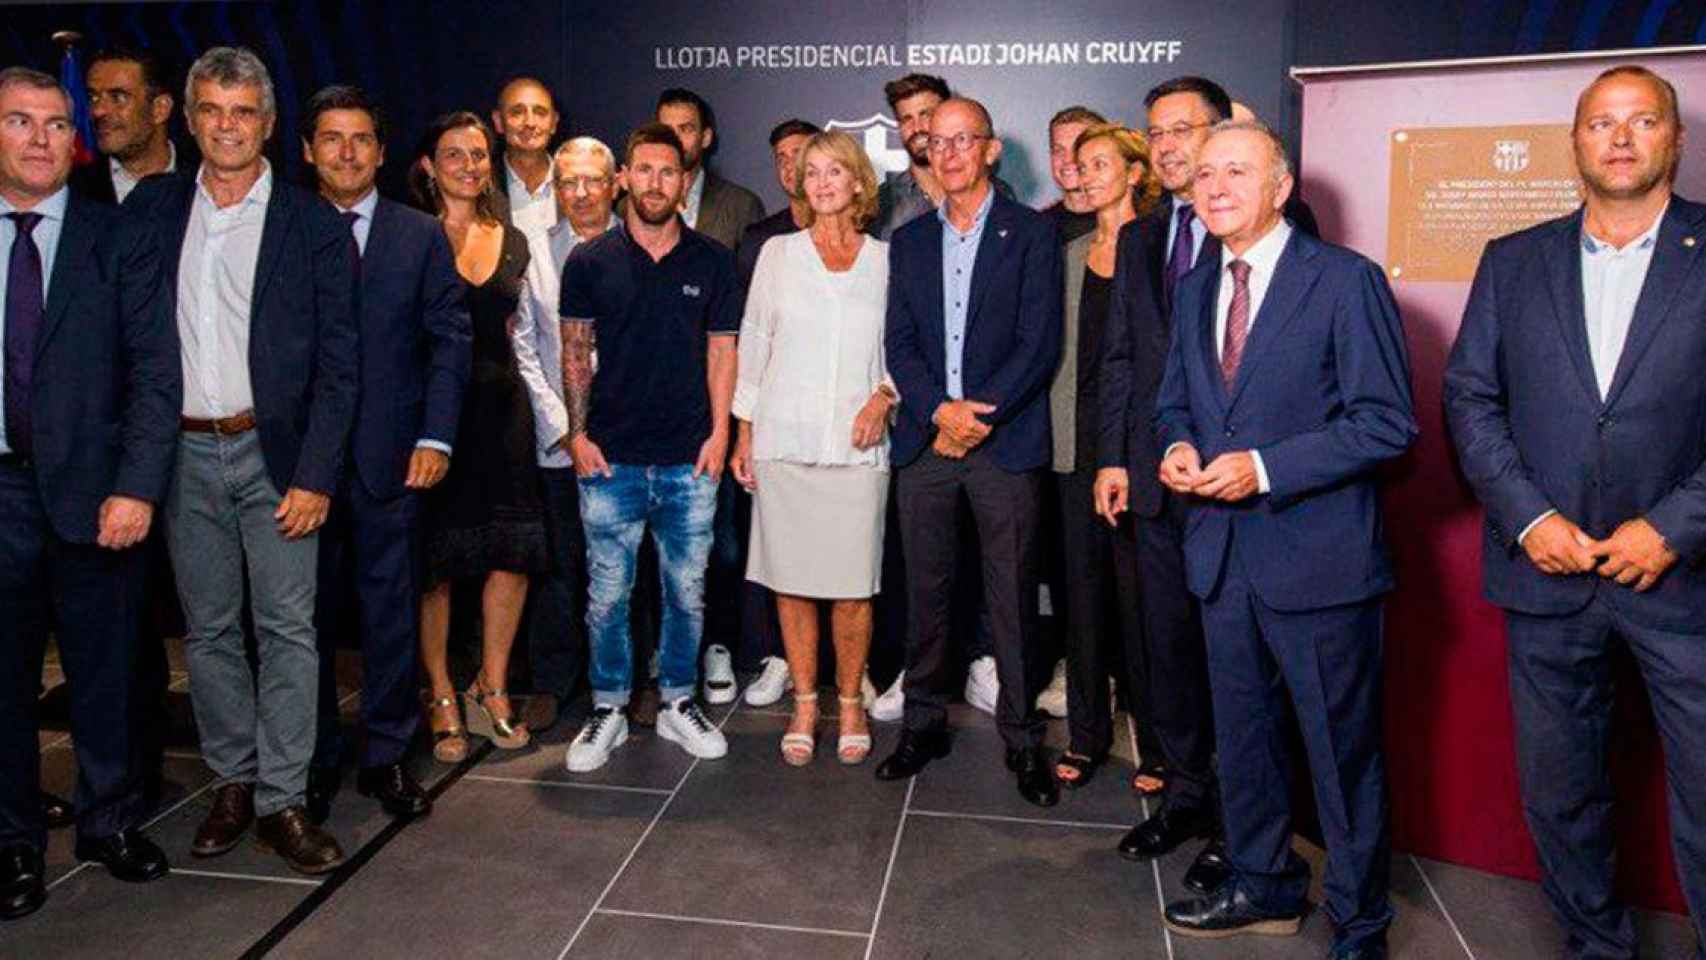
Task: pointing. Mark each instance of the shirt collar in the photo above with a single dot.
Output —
(259, 192)
(516, 181)
(563, 226)
(364, 207)
(977, 221)
(1264, 254)
(53, 208)
(118, 169)
(1643, 242)
(696, 192)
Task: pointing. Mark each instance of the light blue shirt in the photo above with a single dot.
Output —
(959, 256)
(1199, 232)
(46, 237)
(363, 211)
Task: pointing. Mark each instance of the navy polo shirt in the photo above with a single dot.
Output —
(651, 320)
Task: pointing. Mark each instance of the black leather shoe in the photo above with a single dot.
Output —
(55, 810)
(1162, 833)
(1210, 870)
(1367, 950)
(1229, 913)
(395, 790)
(127, 855)
(1036, 777)
(22, 888)
(916, 749)
(323, 784)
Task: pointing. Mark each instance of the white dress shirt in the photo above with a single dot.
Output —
(46, 237)
(530, 209)
(537, 338)
(811, 352)
(695, 196)
(1262, 256)
(124, 181)
(216, 283)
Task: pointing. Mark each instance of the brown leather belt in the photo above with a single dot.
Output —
(241, 423)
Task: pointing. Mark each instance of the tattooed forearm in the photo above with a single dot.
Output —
(578, 341)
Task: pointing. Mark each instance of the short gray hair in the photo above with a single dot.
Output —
(34, 79)
(581, 145)
(1282, 161)
(231, 67)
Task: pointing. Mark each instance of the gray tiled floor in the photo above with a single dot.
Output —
(659, 856)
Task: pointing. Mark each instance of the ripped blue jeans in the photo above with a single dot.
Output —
(615, 512)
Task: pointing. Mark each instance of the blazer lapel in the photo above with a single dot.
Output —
(378, 233)
(1207, 347)
(280, 212)
(76, 240)
(1564, 276)
(172, 245)
(991, 247)
(1673, 258)
(1294, 275)
(710, 207)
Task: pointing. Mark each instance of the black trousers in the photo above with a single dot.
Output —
(1561, 695)
(556, 600)
(1102, 612)
(369, 573)
(1004, 508)
(93, 598)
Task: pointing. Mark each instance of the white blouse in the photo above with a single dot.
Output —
(811, 352)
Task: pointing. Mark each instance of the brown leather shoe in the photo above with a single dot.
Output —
(643, 707)
(233, 811)
(307, 848)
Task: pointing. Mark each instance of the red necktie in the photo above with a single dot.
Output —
(1237, 323)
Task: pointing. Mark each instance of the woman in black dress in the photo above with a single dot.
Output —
(485, 519)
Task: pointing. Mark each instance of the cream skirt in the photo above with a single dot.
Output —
(817, 531)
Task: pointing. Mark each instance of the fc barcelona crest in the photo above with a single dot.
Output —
(1510, 156)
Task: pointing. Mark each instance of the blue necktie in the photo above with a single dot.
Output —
(24, 303)
(1180, 260)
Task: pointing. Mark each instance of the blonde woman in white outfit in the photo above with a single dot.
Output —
(813, 399)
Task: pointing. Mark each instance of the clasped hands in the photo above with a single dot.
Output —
(1635, 555)
(1231, 477)
(958, 429)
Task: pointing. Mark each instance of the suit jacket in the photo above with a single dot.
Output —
(95, 180)
(1323, 393)
(416, 346)
(1013, 329)
(1533, 433)
(1064, 390)
(108, 381)
(1155, 225)
(726, 210)
(1132, 362)
(302, 332)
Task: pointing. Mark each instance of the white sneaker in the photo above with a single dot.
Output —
(684, 723)
(773, 681)
(1052, 700)
(891, 705)
(719, 675)
(604, 731)
(982, 685)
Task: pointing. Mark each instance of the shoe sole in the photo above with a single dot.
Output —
(665, 733)
(621, 738)
(206, 852)
(764, 699)
(1263, 928)
(310, 870)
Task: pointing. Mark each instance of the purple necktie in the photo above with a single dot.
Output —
(1183, 255)
(24, 304)
(1237, 324)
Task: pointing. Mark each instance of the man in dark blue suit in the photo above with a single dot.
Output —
(1287, 384)
(414, 362)
(259, 276)
(973, 337)
(1575, 397)
(90, 392)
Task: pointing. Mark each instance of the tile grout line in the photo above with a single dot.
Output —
(1441, 904)
(1154, 864)
(79, 868)
(888, 872)
(223, 875)
(567, 785)
(635, 849)
(999, 818)
(722, 922)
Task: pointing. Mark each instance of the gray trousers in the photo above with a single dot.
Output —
(257, 726)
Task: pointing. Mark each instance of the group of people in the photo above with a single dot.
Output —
(335, 407)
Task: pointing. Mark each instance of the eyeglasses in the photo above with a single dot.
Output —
(576, 184)
(1177, 131)
(958, 143)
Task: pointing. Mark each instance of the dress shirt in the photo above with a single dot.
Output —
(1611, 285)
(959, 256)
(811, 352)
(537, 338)
(535, 209)
(124, 181)
(216, 283)
(695, 196)
(46, 237)
(1199, 233)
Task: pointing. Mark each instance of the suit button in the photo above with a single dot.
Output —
(1230, 431)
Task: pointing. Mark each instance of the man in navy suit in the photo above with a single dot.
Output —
(973, 337)
(1287, 385)
(91, 390)
(1575, 397)
(259, 277)
(414, 363)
